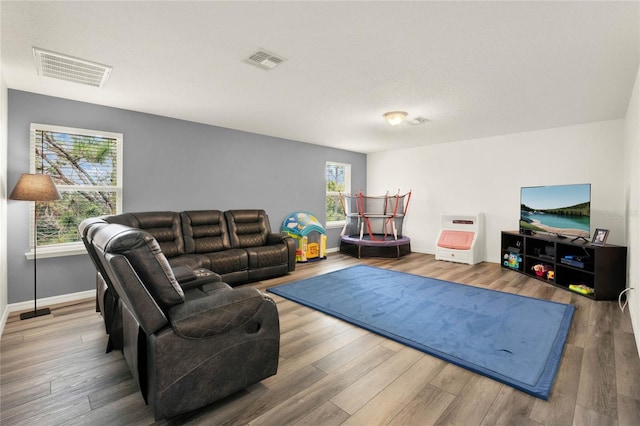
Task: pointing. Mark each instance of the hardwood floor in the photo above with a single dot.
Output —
(54, 370)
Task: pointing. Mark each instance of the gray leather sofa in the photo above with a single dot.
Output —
(186, 345)
(236, 247)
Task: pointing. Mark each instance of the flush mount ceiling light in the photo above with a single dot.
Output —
(394, 117)
(68, 68)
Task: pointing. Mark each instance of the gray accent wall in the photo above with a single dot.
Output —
(169, 164)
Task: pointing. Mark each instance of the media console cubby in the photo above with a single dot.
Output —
(563, 263)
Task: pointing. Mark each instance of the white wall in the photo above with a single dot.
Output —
(632, 198)
(3, 202)
(485, 175)
(3, 197)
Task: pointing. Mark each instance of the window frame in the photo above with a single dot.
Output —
(77, 247)
(347, 187)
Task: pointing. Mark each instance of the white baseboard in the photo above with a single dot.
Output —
(3, 320)
(63, 298)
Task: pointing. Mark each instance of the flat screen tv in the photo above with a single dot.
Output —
(563, 210)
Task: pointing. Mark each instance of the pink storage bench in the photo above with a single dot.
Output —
(458, 239)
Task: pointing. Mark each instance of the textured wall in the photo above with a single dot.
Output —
(485, 176)
(169, 164)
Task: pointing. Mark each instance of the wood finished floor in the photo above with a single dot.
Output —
(54, 370)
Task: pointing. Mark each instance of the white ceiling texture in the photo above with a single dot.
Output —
(473, 69)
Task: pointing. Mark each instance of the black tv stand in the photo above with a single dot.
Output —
(579, 238)
(562, 237)
(596, 272)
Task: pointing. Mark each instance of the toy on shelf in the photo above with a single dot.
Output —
(309, 235)
(544, 271)
(581, 288)
(512, 260)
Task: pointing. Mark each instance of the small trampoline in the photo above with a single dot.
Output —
(380, 247)
(374, 225)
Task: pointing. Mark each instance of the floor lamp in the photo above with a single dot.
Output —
(35, 187)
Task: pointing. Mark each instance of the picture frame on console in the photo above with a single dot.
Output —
(600, 237)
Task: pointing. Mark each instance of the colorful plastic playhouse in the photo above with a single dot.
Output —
(309, 234)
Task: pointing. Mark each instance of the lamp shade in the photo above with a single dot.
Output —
(35, 187)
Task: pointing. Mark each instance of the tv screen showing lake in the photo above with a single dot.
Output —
(555, 221)
(556, 209)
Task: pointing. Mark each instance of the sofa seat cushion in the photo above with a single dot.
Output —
(218, 313)
(224, 262)
(215, 286)
(194, 294)
(265, 256)
(191, 261)
(205, 290)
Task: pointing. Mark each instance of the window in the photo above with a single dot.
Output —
(338, 180)
(86, 166)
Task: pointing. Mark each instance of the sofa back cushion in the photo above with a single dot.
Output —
(87, 229)
(247, 228)
(204, 231)
(164, 226)
(144, 255)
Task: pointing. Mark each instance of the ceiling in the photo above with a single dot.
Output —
(473, 69)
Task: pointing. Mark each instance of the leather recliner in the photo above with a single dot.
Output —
(107, 300)
(186, 347)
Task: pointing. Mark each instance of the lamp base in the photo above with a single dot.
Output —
(36, 313)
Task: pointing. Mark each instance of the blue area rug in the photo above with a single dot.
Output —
(513, 339)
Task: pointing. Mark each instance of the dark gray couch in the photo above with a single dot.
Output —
(236, 246)
(186, 347)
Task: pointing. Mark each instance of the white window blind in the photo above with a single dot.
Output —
(86, 166)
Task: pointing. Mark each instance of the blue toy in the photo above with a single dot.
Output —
(512, 260)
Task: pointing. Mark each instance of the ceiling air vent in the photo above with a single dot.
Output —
(64, 67)
(264, 59)
(418, 120)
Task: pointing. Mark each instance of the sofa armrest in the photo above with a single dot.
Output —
(184, 274)
(291, 247)
(198, 278)
(218, 313)
(277, 238)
